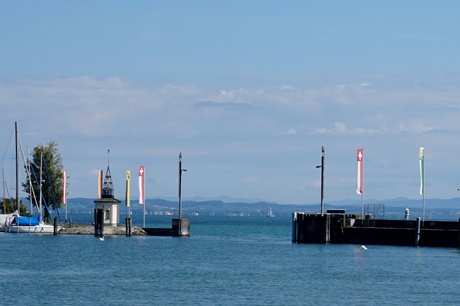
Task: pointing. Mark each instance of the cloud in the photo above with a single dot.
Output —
(247, 132)
(340, 128)
(416, 128)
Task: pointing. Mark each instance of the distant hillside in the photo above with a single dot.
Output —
(442, 208)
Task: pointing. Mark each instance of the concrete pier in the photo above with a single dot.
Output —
(181, 227)
(88, 229)
(350, 228)
(158, 231)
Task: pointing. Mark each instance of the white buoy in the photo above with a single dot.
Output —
(363, 247)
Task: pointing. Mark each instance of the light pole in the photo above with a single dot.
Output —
(180, 184)
(322, 179)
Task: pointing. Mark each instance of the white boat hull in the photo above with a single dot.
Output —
(36, 229)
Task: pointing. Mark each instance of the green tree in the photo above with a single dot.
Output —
(52, 184)
(9, 205)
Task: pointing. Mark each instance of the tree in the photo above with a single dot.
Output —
(49, 160)
(8, 206)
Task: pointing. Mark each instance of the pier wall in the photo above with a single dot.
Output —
(343, 228)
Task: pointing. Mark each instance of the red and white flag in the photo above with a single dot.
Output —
(360, 175)
(64, 188)
(141, 185)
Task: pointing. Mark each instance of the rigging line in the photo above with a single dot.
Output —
(43, 198)
(7, 146)
(8, 196)
(32, 195)
(50, 187)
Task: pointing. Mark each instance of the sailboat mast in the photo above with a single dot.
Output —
(40, 188)
(17, 164)
(17, 171)
(4, 198)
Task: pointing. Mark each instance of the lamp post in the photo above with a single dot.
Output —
(180, 185)
(322, 180)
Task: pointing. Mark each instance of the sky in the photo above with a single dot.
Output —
(248, 91)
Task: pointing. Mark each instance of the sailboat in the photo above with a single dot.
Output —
(270, 213)
(5, 219)
(34, 224)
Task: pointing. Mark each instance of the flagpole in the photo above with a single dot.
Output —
(362, 183)
(360, 178)
(423, 197)
(423, 217)
(128, 192)
(64, 193)
(143, 197)
(422, 179)
(142, 191)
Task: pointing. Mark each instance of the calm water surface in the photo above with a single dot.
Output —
(226, 261)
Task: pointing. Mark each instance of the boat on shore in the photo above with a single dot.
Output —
(5, 220)
(20, 224)
(29, 225)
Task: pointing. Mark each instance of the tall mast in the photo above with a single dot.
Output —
(17, 164)
(3, 183)
(180, 185)
(40, 188)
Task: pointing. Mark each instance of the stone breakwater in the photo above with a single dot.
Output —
(88, 229)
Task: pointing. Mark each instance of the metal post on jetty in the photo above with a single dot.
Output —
(180, 226)
(322, 179)
(180, 184)
(98, 222)
(129, 227)
(417, 237)
(55, 226)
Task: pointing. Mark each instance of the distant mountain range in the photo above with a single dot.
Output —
(439, 208)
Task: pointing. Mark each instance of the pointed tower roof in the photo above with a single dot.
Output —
(107, 192)
(107, 189)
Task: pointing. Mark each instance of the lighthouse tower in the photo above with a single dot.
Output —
(106, 207)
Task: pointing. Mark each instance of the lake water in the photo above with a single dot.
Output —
(226, 261)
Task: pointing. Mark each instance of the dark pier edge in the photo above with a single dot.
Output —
(129, 227)
(352, 229)
(180, 228)
(98, 222)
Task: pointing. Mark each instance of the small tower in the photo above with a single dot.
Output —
(107, 204)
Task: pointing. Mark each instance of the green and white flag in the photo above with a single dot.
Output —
(422, 170)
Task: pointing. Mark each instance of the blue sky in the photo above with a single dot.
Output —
(248, 91)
